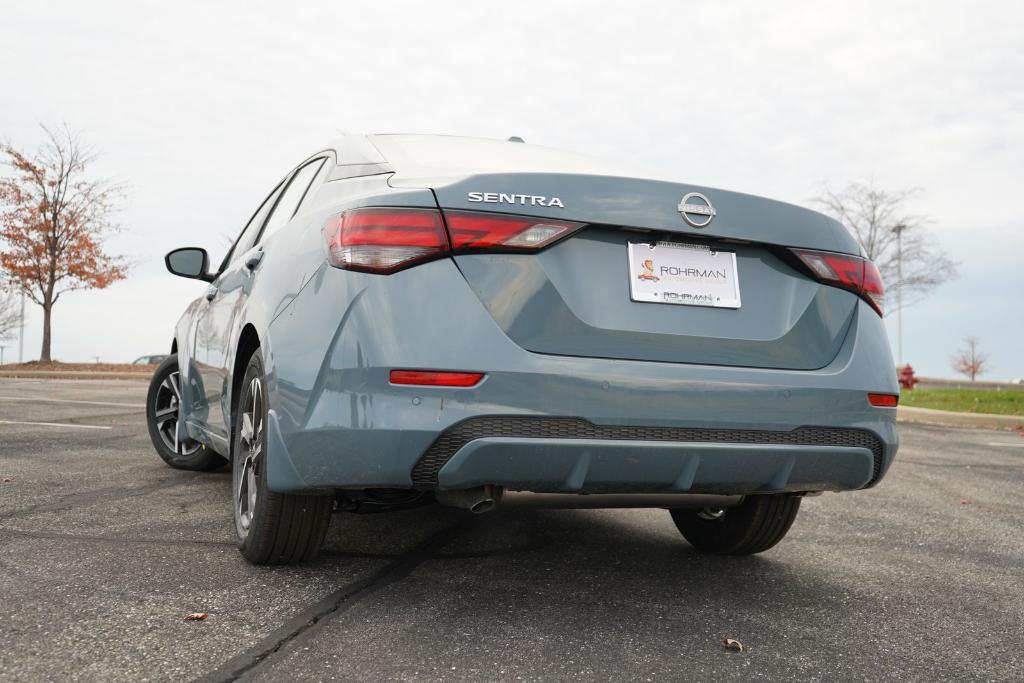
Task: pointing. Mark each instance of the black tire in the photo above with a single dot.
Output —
(162, 405)
(271, 528)
(753, 526)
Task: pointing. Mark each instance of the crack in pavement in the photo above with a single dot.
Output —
(132, 540)
(307, 622)
(53, 535)
(73, 500)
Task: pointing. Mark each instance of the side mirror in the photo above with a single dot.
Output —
(190, 262)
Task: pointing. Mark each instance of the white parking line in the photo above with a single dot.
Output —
(1008, 445)
(69, 400)
(53, 424)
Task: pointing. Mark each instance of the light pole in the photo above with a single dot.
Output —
(21, 329)
(898, 229)
(2, 347)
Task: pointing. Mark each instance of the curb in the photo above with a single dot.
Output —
(70, 374)
(946, 418)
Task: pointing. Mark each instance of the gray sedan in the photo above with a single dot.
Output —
(410, 319)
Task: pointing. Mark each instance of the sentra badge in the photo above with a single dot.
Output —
(522, 199)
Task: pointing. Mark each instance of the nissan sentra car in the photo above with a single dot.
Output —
(411, 319)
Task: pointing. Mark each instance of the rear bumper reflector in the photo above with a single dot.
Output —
(434, 378)
(884, 400)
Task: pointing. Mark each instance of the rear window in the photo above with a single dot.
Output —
(442, 154)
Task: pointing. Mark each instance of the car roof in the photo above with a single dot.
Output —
(428, 154)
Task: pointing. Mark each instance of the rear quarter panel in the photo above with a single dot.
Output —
(293, 257)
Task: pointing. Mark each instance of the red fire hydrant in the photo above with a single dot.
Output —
(906, 376)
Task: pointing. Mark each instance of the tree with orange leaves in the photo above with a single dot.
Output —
(53, 220)
(970, 360)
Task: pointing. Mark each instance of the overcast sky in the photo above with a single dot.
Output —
(201, 107)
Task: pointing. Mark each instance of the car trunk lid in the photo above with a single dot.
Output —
(574, 297)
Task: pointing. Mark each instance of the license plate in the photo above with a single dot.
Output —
(677, 273)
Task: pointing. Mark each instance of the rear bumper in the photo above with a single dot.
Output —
(594, 466)
(337, 422)
(546, 454)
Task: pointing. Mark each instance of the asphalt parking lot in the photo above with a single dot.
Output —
(104, 550)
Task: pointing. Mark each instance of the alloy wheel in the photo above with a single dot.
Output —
(251, 442)
(166, 412)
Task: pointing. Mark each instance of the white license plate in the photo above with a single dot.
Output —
(676, 273)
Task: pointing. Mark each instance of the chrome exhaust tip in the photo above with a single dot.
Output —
(477, 500)
(485, 505)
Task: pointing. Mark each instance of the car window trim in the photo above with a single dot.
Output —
(309, 185)
(326, 154)
(229, 257)
(323, 157)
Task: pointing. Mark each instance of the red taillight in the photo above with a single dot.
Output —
(874, 289)
(494, 231)
(884, 400)
(849, 272)
(383, 240)
(435, 378)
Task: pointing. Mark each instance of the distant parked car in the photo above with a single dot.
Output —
(409, 318)
(1017, 380)
(156, 359)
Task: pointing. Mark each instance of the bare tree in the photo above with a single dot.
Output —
(53, 220)
(207, 336)
(969, 360)
(10, 314)
(882, 224)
